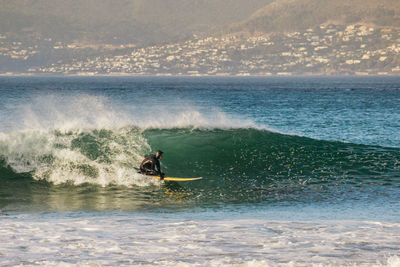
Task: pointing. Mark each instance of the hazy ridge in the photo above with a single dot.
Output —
(294, 15)
(155, 21)
(121, 21)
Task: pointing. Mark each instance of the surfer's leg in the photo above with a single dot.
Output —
(149, 172)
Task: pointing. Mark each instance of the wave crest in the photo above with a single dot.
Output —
(84, 111)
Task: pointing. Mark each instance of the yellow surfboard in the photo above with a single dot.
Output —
(175, 179)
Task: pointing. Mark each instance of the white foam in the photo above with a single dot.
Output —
(127, 240)
(51, 156)
(23, 151)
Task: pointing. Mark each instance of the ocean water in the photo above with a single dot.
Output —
(297, 171)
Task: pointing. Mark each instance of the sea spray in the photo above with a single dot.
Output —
(85, 111)
(70, 112)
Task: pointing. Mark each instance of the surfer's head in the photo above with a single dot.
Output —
(159, 154)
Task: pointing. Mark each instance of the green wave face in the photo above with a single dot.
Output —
(237, 165)
(258, 154)
(250, 164)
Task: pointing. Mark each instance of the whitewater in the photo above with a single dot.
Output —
(296, 171)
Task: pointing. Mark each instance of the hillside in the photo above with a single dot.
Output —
(121, 21)
(295, 15)
(196, 37)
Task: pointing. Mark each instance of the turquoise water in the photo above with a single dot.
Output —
(319, 150)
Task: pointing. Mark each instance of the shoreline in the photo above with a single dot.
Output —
(197, 75)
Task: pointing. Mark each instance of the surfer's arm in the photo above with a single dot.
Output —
(158, 169)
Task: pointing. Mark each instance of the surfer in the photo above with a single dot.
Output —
(151, 165)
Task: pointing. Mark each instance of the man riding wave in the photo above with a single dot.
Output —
(151, 165)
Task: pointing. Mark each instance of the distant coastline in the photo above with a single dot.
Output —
(323, 50)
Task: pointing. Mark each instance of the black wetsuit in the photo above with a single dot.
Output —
(151, 166)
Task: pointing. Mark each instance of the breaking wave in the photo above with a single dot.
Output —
(90, 142)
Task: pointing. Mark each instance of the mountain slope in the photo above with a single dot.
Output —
(138, 21)
(293, 15)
